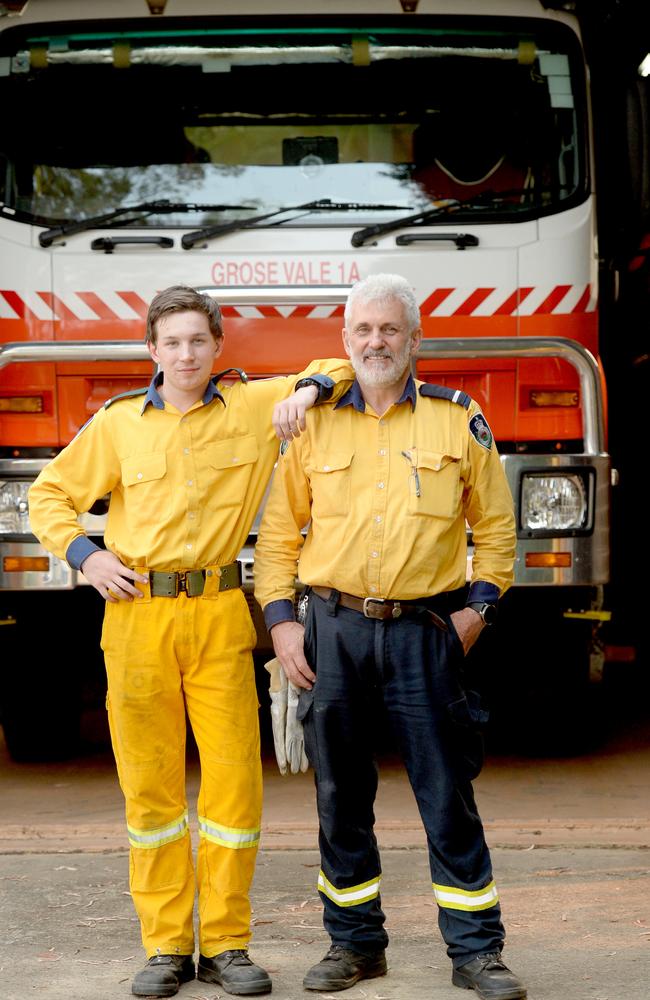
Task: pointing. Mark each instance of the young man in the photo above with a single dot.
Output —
(186, 463)
(386, 480)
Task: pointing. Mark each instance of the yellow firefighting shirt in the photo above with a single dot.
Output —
(388, 498)
(184, 487)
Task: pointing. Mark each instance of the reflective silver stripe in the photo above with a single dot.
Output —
(228, 836)
(149, 839)
(361, 893)
(451, 898)
(455, 396)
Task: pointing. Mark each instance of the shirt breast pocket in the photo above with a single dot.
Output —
(438, 484)
(330, 485)
(147, 493)
(230, 467)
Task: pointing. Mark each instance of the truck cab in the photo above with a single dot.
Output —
(273, 158)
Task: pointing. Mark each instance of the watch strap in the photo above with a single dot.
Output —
(487, 611)
(323, 383)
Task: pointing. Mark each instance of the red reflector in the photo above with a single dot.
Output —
(620, 654)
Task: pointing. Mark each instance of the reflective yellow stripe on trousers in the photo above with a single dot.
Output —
(227, 836)
(451, 898)
(148, 839)
(351, 896)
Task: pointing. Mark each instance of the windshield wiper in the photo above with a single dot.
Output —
(141, 211)
(323, 205)
(485, 199)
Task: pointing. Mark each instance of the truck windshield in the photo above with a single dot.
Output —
(394, 120)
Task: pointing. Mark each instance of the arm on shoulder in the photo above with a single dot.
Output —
(320, 382)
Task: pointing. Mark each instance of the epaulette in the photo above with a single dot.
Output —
(242, 374)
(444, 392)
(126, 395)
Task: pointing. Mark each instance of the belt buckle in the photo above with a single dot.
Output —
(395, 611)
(367, 601)
(181, 584)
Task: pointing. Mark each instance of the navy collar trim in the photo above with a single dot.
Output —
(154, 398)
(354, 396)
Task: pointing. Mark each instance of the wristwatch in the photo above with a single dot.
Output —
(325, 387)
(488, 612)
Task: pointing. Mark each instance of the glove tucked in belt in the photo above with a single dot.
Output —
(192, 581)
(384, 610)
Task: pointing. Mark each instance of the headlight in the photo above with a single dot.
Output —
(553, 502)
(14, 519)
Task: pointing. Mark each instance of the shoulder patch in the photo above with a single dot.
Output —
(480, 431)
(126, 395)
(444, 392)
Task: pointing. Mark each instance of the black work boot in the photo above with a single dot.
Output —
(342, 968)
(235, 972)
(490, 978)
(163, 975)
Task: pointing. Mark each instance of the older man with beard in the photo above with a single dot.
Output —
(386, 479)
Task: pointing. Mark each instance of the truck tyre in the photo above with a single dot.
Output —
(41, 728)
(542, 701)
(41, 675)
(41, 712)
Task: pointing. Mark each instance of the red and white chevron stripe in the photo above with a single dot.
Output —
(130, 305)
(525, 301)
(85, 306)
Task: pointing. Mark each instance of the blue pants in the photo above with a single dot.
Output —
(415, 669)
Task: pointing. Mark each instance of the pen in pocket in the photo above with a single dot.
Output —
(414, 472)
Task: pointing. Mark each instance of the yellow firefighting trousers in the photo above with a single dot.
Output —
(165, 656)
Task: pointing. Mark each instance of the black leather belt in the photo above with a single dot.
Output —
(192, 581)
(384, 610)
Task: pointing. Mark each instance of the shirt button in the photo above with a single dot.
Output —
(139, 475)
(378, 519)
(382, 451)
(189, 545)
(191, 514)
(235, 459)
(186, 451)
(380, 486)
(326, 468)
(374, 554)
(373, 590)
(189, 482)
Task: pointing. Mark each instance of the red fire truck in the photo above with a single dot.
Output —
(272, 154)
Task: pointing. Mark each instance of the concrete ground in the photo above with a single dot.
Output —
(578, 925)
(570, 841)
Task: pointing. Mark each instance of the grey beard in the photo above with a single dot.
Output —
(385, 376)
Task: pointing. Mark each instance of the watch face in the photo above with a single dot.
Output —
(489, 614)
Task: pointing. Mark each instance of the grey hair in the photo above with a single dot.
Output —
(381, 288)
